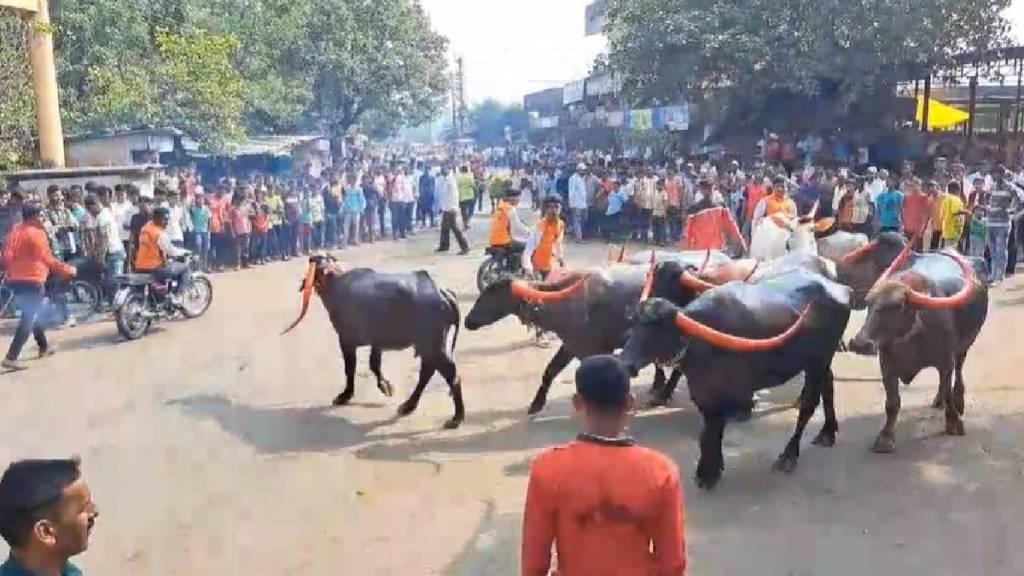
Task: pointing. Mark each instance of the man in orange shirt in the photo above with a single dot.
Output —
(609, 506)
(917, 209)
(28, 262)
(546, 242)
(710, 223)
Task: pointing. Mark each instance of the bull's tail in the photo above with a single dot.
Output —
(453, 306)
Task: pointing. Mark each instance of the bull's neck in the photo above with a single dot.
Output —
(557, 317)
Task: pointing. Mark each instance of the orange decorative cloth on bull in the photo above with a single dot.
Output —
(707, 229)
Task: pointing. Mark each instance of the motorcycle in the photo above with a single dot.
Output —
(142, 299)
(500, 260)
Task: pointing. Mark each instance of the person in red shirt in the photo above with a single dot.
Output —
(28, 262)
(917, 209)
(607, 505)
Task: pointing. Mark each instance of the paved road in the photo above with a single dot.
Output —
(212, 448)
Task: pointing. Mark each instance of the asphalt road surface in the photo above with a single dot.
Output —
(212, 448)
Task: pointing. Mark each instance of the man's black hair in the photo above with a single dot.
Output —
(30, 210)
(603, 383)
(52, 188)
(161, 213)
(514, 192)
(92, 199)
(27, 490)
(552, 200)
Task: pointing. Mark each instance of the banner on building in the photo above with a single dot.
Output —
(547, 122)
(616, 119)
(673, 118)
(640, 120)
(573, 92)
(602, 84)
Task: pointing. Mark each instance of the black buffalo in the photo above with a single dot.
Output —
(739, 338)
(590, 312)
(925, 316)
(388, 312)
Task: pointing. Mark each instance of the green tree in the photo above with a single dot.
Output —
(17, 109)
(490, 118)
(690, 48)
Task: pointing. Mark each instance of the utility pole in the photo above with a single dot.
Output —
(44, 80)
(460, 97)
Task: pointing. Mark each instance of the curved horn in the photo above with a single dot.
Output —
(689, 280)
(856, 254)
(752, 271)
(307, 293)
(622, 252)
(704, 265)
(523, 291)
(915, 298)
(814, 210)
(737, 343)
(649, 282)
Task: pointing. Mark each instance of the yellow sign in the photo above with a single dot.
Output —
(26, 5)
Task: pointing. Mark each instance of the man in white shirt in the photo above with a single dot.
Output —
(578, 201)
(876, 182)
(447, 192)
(123, 210)
(179, 222)
(105, 243)
(401, 204)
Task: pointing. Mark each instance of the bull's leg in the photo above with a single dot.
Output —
(427, 368)
(711, 463)
(659, 380)
(827, 436)
(885, 443)
(562, 359)
(663, 396)
(954, 425)
(451, 375)
(813, 385)
(348, 355)
(958, 384)
(382, 383)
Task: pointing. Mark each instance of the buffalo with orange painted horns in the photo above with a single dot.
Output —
(739, 338)
(388, 312)
(590, 312)
(924, 312)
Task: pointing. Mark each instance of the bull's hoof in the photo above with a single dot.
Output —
(385, 387)
(955, 427)
(939, 402)
(884, 444)
(342, 399)
(406, 408)
(826, 439)
(453, 423)
(707, 481)
(786, 463)
(535, 407)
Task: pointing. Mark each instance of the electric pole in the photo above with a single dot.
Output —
(460, 97)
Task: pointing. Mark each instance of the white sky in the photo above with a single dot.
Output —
(514, 47)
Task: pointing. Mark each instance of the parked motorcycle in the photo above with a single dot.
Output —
(142, 299)
(500, 260)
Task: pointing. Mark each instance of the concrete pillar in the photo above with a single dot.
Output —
(44, 81)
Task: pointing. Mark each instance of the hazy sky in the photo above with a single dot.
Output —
(513, 47)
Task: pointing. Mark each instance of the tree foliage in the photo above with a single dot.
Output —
(671, 49)
(17, 108)
(490, 118)
(219, 68)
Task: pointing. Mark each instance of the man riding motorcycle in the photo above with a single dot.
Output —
(156, 250)
(508, 231)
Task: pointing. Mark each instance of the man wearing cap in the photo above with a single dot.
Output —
(28, 261)
(578, 201)
(46, 516)
(608, 505)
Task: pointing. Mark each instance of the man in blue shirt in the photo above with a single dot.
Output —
(46, 516)
(807, 195)
(889, 207)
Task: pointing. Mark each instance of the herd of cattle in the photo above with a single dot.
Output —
(731, 327)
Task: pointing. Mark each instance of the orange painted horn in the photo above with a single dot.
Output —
(856, 254)
(704, 265)
(696, 329)
(942, 302)
(622, 252)
(523, 291)
(307, 293)
(901, 258)
(649, 282)
(693, 282)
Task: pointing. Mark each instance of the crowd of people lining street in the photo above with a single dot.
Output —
(46, 511)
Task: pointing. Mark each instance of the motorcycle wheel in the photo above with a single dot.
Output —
(83, 300)
(132, 322)
(488, 273)
(196, 297)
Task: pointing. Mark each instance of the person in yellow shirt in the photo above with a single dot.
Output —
(953, 215)
(546, 242)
